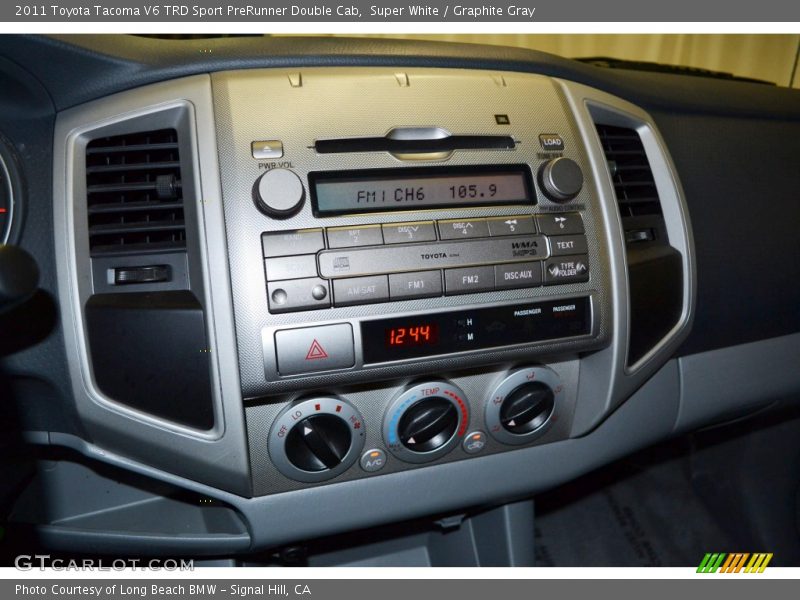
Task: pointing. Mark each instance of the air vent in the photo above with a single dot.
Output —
(134, 194)
(630, 170)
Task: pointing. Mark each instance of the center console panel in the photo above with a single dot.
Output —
(401, 272)
(391, 236)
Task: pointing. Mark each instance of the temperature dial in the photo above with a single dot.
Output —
(316, 439)
(427, 425)
(426, 421)
(522, 405)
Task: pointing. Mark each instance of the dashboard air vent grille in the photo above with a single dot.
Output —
(134, 194)
(630, 170)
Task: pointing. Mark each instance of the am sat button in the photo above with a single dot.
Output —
(360, 290)
(312, 349)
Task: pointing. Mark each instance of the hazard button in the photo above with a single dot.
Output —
(312, 349)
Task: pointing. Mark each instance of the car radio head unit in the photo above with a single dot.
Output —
(446, 222)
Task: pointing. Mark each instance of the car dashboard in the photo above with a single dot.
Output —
(292, 287)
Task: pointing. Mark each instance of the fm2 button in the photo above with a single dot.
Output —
(279, 193)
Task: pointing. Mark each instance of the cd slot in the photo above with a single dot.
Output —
(414, 146)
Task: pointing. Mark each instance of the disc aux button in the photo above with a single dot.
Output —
(312, 349)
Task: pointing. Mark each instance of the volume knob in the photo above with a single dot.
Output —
(279, 193)
(561, 179)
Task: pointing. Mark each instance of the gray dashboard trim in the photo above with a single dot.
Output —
(680, 396)
(295, 516)
(732, 382)
(607, 370)
(218, 457)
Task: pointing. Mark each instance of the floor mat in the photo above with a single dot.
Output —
(641, 512)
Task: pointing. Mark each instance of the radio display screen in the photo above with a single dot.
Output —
(382, 190)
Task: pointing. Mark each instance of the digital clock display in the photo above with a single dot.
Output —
(423, 334)
(381, 190)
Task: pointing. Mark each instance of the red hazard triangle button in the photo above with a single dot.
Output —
(312, 349)
(316, 351)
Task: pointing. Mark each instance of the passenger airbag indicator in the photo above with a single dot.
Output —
(401, 338)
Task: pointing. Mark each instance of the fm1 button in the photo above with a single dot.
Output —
(474, 442)
(279, 193)
(373, 460)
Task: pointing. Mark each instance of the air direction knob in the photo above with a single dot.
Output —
(527, 408)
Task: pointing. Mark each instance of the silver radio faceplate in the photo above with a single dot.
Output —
(293, 268)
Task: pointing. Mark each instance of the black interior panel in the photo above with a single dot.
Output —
(149, 352)
(741, 179)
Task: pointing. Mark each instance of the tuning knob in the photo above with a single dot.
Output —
(425, 421)
(560, 179)
(316, 439)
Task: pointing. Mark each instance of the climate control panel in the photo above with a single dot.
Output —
(324, 437)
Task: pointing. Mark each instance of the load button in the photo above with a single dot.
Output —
(312, 349)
